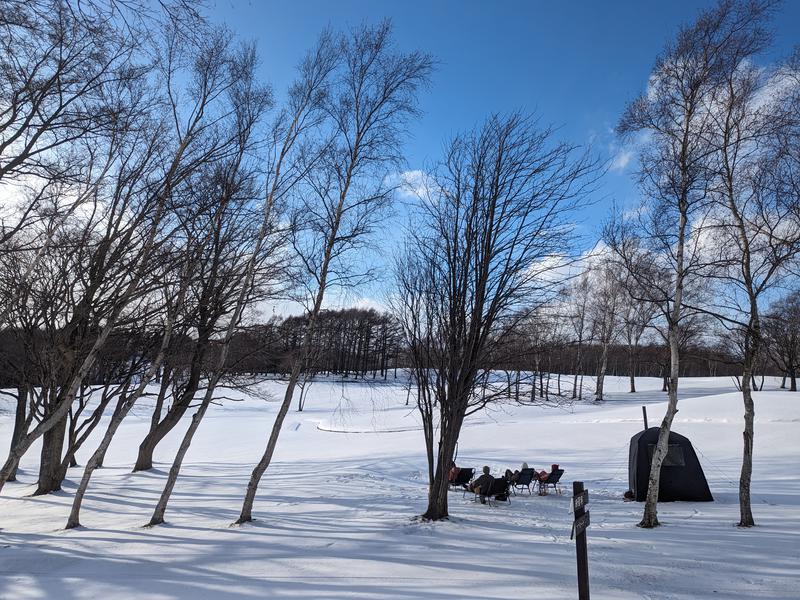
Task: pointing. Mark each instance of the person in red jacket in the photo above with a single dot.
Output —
(452, 474)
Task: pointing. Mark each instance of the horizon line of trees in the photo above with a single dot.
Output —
(366, 343)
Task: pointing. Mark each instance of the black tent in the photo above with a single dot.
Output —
(682, 476)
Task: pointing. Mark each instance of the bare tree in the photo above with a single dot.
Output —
(637, 315)
(491, 221)
(604, 315)
(577, 298)
(756, 138)
(781, 330)
(246, 261)
(152, 163)
(661, 246)
(345, 190)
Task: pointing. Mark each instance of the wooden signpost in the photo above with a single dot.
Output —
(580, 498)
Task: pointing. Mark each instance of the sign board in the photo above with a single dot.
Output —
(580, 500)
(581, 523)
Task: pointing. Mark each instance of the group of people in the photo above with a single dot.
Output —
(482, 484)
(537, 475)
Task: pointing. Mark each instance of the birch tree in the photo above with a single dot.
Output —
(346, 190)
(757, 230)
(603, 315)
(674, 175)
(245, 255)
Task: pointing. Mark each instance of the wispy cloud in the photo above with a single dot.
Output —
(623, 151)
(621, 159)
(411, 185)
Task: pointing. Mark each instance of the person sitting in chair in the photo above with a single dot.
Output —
(452, 474)
(514, 477)
(541, 475)
(482, 485)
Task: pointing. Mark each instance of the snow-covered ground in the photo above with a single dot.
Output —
(335, 514)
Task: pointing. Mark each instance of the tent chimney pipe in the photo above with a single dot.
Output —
(644, 416)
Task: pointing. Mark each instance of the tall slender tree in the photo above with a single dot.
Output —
(373, 94)
(756, 237)
(675, 176)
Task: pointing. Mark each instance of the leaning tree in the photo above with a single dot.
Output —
(370, 94)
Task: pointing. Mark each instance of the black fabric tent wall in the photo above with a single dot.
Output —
(678, 482)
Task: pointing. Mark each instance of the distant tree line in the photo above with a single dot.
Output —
(348, 342)
(368, 344)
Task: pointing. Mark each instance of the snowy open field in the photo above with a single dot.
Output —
(335, 510)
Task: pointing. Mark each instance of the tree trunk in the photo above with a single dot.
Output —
(144, 459)
(437, 495)
(101, 460)
(427, 427)
(177, 463)
(98, 456)
(601, 374)
(94, 462)
(166, 379)
(650, 517)
(20, 424)
(745, 509)
(246, 514)
(51, 469)
(578, 369)
(632, 370)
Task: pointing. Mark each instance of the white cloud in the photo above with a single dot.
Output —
(411, 185)
(621, 160)
(622, 152)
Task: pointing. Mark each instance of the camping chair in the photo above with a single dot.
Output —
(500, 487)
(463, 478)
(524, 481)
(552, 479)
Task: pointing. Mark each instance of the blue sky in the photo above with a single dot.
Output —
(574, 62)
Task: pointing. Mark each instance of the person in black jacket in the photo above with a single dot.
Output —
(482, 485)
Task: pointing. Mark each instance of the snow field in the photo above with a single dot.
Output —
(335, 512)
